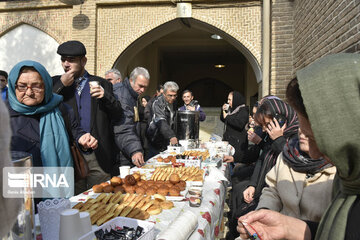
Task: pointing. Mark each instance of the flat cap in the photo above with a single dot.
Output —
(71, 48)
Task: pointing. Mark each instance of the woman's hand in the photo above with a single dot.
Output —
(253, 137)
(228, 159)
(87, 141)
(249, 194)
(274, 130)
(271, 225)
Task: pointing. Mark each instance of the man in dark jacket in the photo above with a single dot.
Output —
(126, 130)
(161, 128)
(94, 108)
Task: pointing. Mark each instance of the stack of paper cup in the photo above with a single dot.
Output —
(71, 225)
(124, 171)
(49, 216)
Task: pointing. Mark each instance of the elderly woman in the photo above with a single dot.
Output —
(36, 117)
(328, 114)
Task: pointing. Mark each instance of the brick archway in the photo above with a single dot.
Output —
(147, 35)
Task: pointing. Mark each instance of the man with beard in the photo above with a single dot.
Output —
(94, 108)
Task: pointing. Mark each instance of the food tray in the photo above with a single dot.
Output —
(124, 221)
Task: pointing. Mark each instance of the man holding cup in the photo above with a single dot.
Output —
(94, 105)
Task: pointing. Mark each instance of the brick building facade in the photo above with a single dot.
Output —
(301, 31)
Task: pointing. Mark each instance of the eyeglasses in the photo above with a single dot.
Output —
(35, 88)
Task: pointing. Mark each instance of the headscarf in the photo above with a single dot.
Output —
(54, 141)
(330, 91)
(237, 102)
(300, 161)
(276, 106)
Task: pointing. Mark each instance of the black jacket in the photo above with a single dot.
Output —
(102, 112)
(126, 129)
(160, 129)
(235, 132)
(26, 131)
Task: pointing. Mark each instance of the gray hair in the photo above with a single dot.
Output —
(139, 71)
(171, 86)
(116, 72)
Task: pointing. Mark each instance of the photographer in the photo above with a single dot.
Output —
(191, 104)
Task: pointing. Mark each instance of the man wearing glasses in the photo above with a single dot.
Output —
(161, 129)
(3, 84)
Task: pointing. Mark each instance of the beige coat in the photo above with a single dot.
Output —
(294, 194)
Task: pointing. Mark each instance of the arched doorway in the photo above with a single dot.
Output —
(26, 42)
(183, 50)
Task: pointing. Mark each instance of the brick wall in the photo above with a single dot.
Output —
(324, 27)
(131, 21)
(281, 46)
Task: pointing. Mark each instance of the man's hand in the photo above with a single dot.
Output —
(249, 194)
(274, 130)
(173, 141)
(253, 137)
(138, 159)
(271, 225)
(87, 141)
(68, 78)
(228, 159)
(97, 92)
(190, 108)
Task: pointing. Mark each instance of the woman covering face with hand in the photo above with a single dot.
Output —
(36, 116)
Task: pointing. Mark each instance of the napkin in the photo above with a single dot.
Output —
(216, 174)
(181, 228)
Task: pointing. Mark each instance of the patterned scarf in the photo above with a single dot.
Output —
(300, 161)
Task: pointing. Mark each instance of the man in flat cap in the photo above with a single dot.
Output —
(95, 107)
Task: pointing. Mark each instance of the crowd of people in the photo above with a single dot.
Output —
(295, 173)
(106, 118)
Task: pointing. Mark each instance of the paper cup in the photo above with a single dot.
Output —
(85, 222)
(124, 171)
(49, 216)
(94, 84)
(70, 225)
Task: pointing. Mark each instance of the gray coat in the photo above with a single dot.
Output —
(126, 129)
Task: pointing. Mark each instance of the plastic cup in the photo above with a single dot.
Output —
(94, 84)
(85, 222)
(124, 171)
(70, 225)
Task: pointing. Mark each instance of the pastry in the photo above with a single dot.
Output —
(154, 210)
(130, 180)
(119, 189)
(159, 197)
(151, 191)
(163, 191)
(174, 191)
(137, 176)
(140, 190)
(174, 178)
(104, 184)
(129, 188)
(108, 189)
(166, 204)
(97, 188)
(115, 181)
